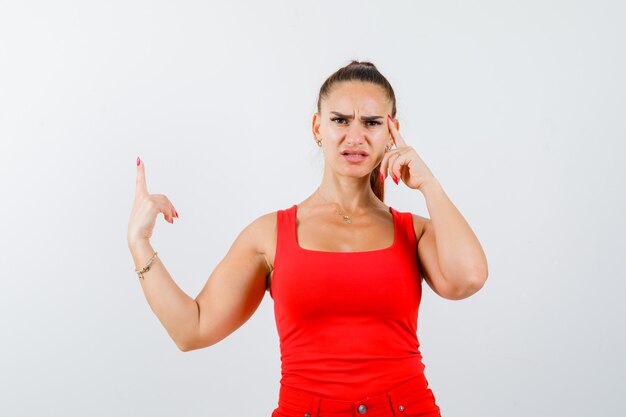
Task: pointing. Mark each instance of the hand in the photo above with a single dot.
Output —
(146, 208)
(404, 163)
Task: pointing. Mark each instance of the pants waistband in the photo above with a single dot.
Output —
(306, 404)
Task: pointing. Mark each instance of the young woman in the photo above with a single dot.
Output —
(344, 270)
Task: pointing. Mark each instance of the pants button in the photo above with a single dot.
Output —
(307, 415)
(401, 408)
(362, 409)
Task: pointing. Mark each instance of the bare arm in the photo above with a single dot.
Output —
(454, 264)
(177, 311)
(232, 293)
(236, 286)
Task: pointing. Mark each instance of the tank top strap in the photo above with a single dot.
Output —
(285, 233)
(404, 221)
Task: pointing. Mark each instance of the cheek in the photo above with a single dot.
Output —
(329, 130)
(383, 138)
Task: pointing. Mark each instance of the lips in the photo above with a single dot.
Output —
(354, 152)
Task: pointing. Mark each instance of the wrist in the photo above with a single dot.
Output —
(139, 245)
(142, 253)
(430, 185)
(142, 270)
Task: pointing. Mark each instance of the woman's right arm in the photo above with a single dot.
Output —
(230, 296)
(176, 311)
(234, 289)
(237, 285)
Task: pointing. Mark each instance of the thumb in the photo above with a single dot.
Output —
(141, 186)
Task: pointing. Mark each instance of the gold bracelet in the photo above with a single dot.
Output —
(146, 268)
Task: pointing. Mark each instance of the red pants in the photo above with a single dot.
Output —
(409, 399)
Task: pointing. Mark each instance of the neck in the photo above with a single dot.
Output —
(352, 195)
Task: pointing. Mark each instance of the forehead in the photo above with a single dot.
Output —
(349, 96)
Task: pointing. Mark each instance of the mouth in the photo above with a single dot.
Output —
(354, 153)
(355, 156)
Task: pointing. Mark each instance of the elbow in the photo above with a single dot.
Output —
(195, 344)
(184, 347)
(187, 344)
(474, 283)
(477, 285)
(191, 337)
(468, 282)
(470, 288)
(187, 347)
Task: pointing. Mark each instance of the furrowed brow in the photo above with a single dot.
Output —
(350, 117)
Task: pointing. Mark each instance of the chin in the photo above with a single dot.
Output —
(356, 174)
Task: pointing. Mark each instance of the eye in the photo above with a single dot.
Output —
(375, 123)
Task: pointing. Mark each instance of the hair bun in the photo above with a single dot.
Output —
(363, 63)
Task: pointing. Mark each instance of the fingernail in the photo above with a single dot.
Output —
(138, 161)
(389, 116)
(176, 213)
(382, 177)
(395, 179)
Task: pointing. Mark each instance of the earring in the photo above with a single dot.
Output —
(387, 147)
(319, 142)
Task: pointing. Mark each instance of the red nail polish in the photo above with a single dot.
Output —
(389, 116)
(176, 213)
(382, 177)
(395, 179)
(138, 161)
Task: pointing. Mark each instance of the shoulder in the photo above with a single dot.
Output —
(262, 232)
(266, 219)
(259, 236)
(263, 227)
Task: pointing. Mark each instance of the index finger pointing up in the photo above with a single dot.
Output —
(395, 134)
(141, 186)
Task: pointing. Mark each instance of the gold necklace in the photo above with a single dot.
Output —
(346, 218)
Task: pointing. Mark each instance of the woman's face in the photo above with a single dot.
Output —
(353, 119)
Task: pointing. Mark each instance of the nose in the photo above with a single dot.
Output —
(355, 135)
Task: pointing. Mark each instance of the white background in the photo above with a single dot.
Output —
(517, 107)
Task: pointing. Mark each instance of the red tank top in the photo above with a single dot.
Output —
(347, 321)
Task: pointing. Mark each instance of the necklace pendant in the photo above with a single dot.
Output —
(347, 219)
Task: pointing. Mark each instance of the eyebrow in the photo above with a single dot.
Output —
(349, 116)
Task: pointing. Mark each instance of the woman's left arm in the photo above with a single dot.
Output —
(453, 259)
(449, 243)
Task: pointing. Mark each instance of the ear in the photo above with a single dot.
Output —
(315, 125)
